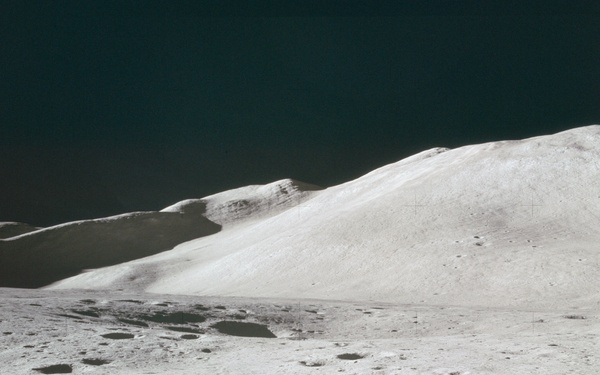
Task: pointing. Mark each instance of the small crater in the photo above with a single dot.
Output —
(185, 329)
(95, 361)
(243, 329)
(55, 369)
(133, 322)
(118, 336)
(189, 337)
(174, 318)
(201, 308)
(88, 301)
(206, 351)
(350, 356)
(220, 307)
(312, 363)
(311, 311)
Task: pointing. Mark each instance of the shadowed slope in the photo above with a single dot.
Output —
(42, 257)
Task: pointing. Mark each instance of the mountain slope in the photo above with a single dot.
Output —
(504, 223)
(40, 257)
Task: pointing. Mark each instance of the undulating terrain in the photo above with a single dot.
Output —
(483, 259)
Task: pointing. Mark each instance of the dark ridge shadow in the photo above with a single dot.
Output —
(42, 257)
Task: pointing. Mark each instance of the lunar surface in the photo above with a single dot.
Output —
(483, 259)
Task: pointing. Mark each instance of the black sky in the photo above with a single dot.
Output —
(115, 106)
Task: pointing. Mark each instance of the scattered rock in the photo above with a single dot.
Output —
(312, 363)
(575, 317)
